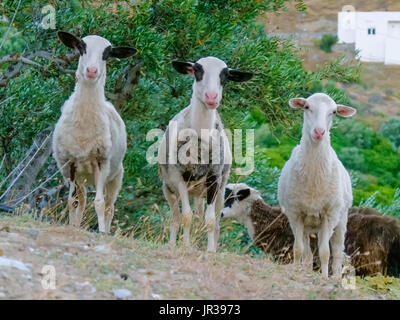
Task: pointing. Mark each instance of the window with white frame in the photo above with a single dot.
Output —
(371, 31)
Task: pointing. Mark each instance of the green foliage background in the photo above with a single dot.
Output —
(189, 29)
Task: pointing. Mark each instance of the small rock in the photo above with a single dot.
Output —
(242, 277)
(33, 233)
(100, 248)
(13, 235)
(156, 296)
(91, 289)
(5, 262)
(27, 276)
(124, 276)
(122, 293)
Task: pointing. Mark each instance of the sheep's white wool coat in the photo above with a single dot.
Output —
(314, 182)
(89, 129)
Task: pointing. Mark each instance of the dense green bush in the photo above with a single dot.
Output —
(391, 130)
(327, 41)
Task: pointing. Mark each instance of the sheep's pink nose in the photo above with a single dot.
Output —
(211, 96)
(91, 69)
(319, 133)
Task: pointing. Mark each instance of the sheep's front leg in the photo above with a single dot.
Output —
(298, 247)
(219, 206)
(81, 194)
(112, 189)
(210, 226)
(100, 176)
(199, 201)
(308, 256)
(72, 203)
(186, 211)
(210, 220)
(323, 247)
(175, 214)
(337, 244)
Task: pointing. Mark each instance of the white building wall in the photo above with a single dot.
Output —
(382, 44)
(347, 27)
(392, 46)
(371, 46)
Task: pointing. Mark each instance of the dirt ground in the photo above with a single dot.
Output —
(96, 266)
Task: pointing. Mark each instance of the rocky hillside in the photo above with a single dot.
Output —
(377, 97)
(94, 266)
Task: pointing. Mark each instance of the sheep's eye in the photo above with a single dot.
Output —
(307, 107)
(334, 112)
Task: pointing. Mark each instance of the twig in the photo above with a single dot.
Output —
(9, 27)
(40, 186)
(9, 98)
(20, 61)
(11, 173)
(22, 171)
(2, 161)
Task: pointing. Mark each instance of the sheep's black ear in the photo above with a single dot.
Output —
(122, 52)
(228, 193)
(243, 194)
(183, 67)
(71, 41)
(239, 76)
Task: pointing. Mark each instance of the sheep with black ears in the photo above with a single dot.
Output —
(372, 240)
(89, 140)
(314, 188)
(267, 226)
(196, 134)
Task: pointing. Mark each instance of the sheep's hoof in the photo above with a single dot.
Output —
(211, 250)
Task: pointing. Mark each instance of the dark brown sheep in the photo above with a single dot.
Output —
(372, 240)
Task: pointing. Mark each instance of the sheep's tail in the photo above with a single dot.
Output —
(393, 265)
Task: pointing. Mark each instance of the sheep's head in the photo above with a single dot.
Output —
(239, 198)
(210, 76)
(319, 111)
(94, 52)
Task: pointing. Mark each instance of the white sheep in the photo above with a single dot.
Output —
(314, 188)
(186, 173)
(89, 141)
